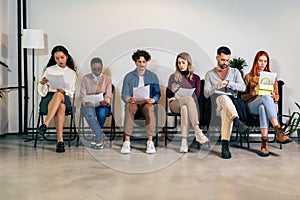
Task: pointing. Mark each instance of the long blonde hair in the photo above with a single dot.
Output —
(177, 73)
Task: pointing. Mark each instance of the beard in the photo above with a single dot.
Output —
(223, 66)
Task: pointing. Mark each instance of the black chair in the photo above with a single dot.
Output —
(112, 126)
(253, 120)
(71, 128)
(170, 129)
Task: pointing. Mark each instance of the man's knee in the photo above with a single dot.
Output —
(222, 99)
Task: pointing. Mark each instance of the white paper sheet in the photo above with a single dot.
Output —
(56, 81)
(183, 92)
(141, 93)
(222, 92)
(95, 99)
(267, 78)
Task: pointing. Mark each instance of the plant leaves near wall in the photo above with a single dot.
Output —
(238, 63)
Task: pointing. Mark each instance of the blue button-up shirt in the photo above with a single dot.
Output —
(131, 80)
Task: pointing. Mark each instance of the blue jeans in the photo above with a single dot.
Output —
(265, 107)
(90, 114)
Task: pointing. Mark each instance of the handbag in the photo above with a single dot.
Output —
(265, 89)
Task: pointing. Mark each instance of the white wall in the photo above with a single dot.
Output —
(93, 27)
(3, 70)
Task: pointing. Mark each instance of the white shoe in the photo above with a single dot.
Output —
(200, 137)
(150, 147)
(125, 147)
(184, 146)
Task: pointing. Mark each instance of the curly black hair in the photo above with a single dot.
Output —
(141, 53)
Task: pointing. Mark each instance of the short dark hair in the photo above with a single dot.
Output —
(224, 50)
(96, 60)
(141, 53)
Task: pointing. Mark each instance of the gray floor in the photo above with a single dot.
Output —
(85, 173)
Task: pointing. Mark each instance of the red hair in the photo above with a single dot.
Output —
(254, 69)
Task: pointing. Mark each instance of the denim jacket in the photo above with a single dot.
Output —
(131, 80)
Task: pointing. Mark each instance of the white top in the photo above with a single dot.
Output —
(141, 81)
(69, 76)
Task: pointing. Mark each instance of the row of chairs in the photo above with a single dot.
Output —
(167, 129)
(82, 130)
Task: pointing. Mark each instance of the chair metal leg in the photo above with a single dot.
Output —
(36, 133)
(112, 130)
(156, 125)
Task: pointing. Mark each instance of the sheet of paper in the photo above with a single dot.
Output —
(183, 92)
(267, 78)
(141, 93)
(222, 92)
(95, 99)
(56, 81)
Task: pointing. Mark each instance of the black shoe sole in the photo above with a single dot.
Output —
(60, 151)
(284, 142)
(264, 154)
(228, 156)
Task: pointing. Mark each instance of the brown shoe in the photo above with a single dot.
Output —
(264, 152)
(280, 136)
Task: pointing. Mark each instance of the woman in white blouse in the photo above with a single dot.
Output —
(55, 100)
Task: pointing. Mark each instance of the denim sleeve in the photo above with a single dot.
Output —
(126, 88)
(155, 89)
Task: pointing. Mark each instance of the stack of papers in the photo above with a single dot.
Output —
(141, 93)
(56, 81)
(267, 78)
(183, 92)
(95, 99)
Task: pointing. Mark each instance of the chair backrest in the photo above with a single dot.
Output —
(204, 107)
(112, 103)
(168, 111)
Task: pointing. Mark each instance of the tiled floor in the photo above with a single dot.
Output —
(85, 173)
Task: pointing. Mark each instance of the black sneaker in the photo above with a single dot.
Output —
(244, 129)
(60, 148)
(225, 150)
(42, 129)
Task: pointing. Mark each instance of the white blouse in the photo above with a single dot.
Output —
(69, 77)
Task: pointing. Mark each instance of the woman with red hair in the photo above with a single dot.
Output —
(263, 105)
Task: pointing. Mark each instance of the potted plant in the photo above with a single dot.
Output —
(239, 63)
(293, 123)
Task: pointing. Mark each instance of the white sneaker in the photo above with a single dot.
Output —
(184, 146)
(150, 147)
(200, 137)
(125, 147)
